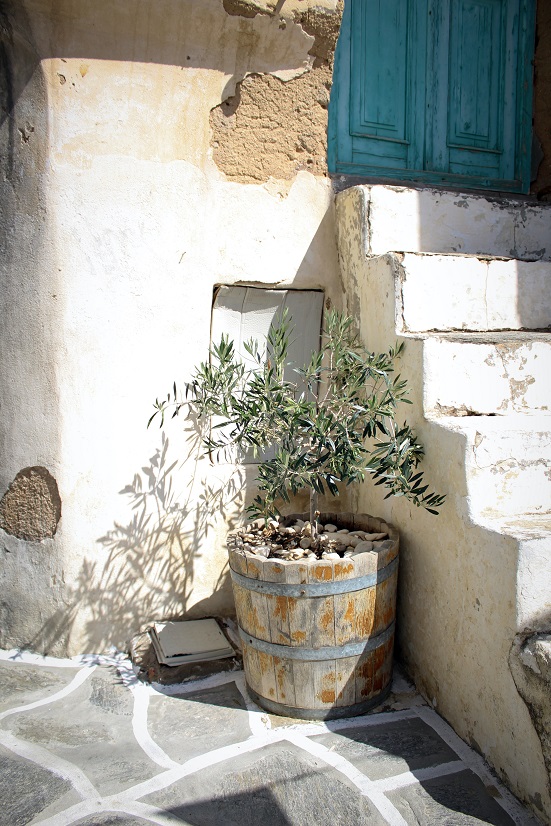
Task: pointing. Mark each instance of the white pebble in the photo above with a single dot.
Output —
(330, 528)
(305, 543)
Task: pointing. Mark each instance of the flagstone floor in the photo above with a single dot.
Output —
(85, 742)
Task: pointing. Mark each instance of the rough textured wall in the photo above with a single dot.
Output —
(273, 128)
(117, 225)
(31, 570)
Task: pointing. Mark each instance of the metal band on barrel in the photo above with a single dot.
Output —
(337, 652)
(315, 589)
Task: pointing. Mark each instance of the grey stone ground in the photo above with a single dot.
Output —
(84, 742)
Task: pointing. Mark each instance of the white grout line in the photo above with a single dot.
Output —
(20, 656)
(476, 764)
(399, 781)
(259, 721)
(77, 681)
(151, 813)
(89, 808)
(50, 762)
(262, 735)
(79, 811)
(330, 726)
(141, 731)
(203, 761)
(16, 655)
(367, 788)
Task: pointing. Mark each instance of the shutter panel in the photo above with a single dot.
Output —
(472, 89)
(437, 91)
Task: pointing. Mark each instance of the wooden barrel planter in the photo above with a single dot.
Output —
(318, 636)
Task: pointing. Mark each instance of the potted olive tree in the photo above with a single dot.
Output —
(314, 592)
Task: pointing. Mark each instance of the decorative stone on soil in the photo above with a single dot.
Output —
(296, 541)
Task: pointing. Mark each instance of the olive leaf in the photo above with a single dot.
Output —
(336, 423)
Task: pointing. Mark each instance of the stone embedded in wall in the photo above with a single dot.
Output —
(275, 129)
(31, 506)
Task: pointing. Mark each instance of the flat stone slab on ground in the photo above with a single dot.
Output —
(456, 800)
(22, 683)
(187, 725)
(98, 747)
(27, 790)
(390, 748)
(279, 785)
(92, 729)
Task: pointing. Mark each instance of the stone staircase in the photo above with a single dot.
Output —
(465, 281)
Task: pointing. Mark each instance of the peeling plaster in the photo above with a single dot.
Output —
(269, 130)
(272, 129)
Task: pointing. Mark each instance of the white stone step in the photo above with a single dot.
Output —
(533, 534)
(507, 464)
(430, 220)
(459, 292)
(468, 374)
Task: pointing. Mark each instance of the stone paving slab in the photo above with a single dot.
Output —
(457, 800)
(27, 790)
(390, 749)
(183, 723)
(91, 728)
(88, 743)
(279, 786)
(27, 683)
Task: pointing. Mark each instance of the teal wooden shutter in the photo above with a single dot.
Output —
(437, 91)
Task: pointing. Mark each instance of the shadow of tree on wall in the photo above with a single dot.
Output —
(147, 573)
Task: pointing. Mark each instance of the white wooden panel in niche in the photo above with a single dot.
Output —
(243, 313)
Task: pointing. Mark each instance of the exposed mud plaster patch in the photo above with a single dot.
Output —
(31, 506)
(245, 8)
(272, 129)
(324, 26)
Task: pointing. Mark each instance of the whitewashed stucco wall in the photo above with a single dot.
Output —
(107, 298)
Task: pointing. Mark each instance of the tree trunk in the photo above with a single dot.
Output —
(314, 512)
